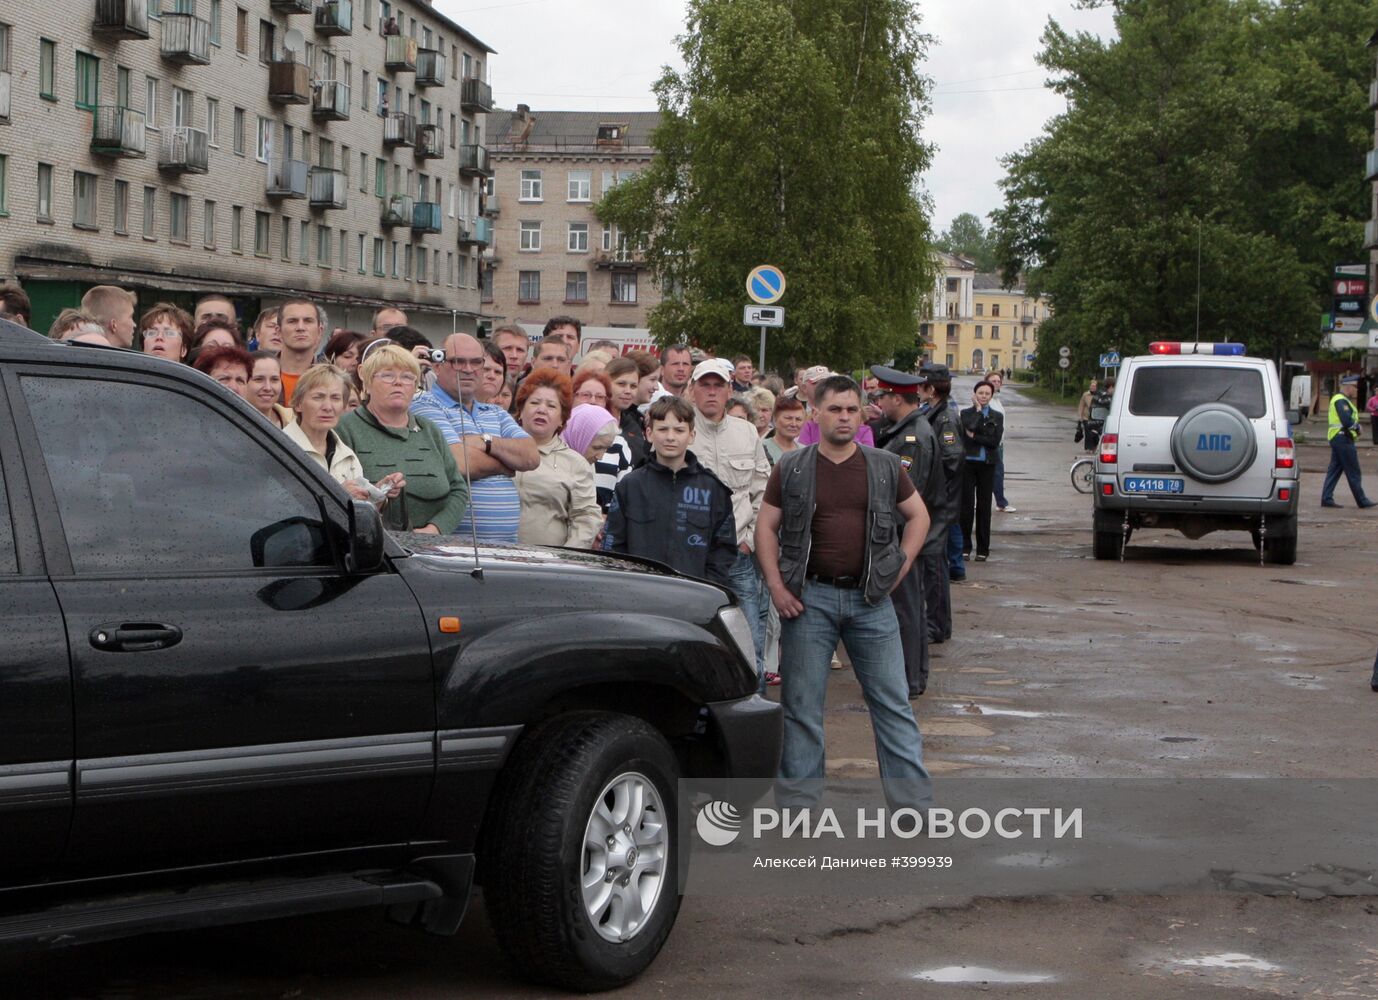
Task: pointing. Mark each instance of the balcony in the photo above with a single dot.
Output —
(475, 232)
(121, 19)
(400, 56)
(475, 95)
(185, 151)
(430, 142)
(289, 82)
(399, 129)
(290, 6)
(1026, 320)
(287, 179)
(491, 205)
(1371, 166)
(397, 211)
(474, 160)
(425, 217)
(330, 101)
(117, 132)
(5, 84)
(430, 68)
(186, 40)
(335, 17)
(622, 258)
(328, 187)
(1371, 234)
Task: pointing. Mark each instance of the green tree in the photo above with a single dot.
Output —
(791, 138)
(968, 238)
(1207, 131)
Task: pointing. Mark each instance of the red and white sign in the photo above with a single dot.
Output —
(1351, 286)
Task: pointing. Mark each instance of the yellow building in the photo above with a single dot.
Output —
(975, 325)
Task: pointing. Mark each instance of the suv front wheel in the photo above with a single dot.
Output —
(579, 853)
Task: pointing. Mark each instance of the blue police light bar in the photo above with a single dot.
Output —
(1194, 347)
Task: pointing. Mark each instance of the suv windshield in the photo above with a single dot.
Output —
(1172, 391)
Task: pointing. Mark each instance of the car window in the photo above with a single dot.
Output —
(1172, 391)
(8, 563)
(149, 480)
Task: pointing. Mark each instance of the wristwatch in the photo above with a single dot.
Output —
(488, 444)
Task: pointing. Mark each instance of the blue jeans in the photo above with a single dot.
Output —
(955, 544)
(1000, 500)
(1344, 460)
(750, 588)
(871, 635)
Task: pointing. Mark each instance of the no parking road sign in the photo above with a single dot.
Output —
(766, 285)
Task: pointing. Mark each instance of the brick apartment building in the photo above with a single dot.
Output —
(258, 148)
(550, 254)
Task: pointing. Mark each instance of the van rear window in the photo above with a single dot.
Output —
(1172, 391)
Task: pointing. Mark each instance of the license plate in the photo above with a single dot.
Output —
(1146, 484)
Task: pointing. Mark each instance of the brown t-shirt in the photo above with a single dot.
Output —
(838, 546)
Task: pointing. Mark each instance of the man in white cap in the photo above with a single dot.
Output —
(810, 435)
(731, 449)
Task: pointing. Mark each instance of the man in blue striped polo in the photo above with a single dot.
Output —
(484, 438)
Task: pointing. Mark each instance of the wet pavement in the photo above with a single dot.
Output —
(1187, 660)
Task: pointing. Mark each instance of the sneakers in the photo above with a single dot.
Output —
(836, 664)
(1007, 509)
(981, 557)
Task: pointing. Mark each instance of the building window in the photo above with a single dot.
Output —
(528, 286)
(980, 309)
(531, 185)
(208, 225)
(304, 244)
(84, 200)
(238, 131)
(4, 49)
(624, 286)
(181, 107)
(122, 77)
(577, 286)
(995, 330)
(263, 139)
(979, 332)
(286, 243)
(421, 266)
(151, 102)
(530, 236)
(580, 185)
(267, 41)
(462, 273)
(607, 237)
(324, 251)
(363, 173)
(995, 309)
(377, 256)
(241, 31)
(150, 213)
(236, 229)
(45, 192)
(122, 207)
(47, 57)
(578, 239)
(380, 178)
(361, 253)
(88, 81)
(215, 22)
(213, 121)
(263, 231)
(406, 270)
(178, 226)
(396, 267)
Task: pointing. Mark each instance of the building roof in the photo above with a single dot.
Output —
(990, 282)
(422, 6)
(571, 128)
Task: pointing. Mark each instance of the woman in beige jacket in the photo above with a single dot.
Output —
(559, 503)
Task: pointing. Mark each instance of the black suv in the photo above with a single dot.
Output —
(227, 694)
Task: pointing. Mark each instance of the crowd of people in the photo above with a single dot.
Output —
(834, 511)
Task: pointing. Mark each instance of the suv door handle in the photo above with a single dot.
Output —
(135, 637)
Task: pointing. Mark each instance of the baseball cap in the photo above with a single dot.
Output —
(817, 373)
(720, 367)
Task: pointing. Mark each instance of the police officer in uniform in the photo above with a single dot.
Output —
(935, 388)
(906, 433)
(1344, 457)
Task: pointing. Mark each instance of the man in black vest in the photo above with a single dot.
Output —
(828, 541)
(907, 434)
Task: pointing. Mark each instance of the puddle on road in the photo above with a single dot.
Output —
(1306, 682)
(1180, 739)
(1031, 860)
(971, 708)
(1306, 583)
(980, 974)
(1230, 960)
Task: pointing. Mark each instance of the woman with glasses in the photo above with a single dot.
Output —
(165, 331)
(389, 438)
(614, 459)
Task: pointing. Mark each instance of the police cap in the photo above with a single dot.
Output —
(930, 371)
(893, 380)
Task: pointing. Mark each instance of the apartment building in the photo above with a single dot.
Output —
(976, 325)
(256, 148)
(550, 253)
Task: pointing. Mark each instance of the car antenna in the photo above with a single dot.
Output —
(477, 571)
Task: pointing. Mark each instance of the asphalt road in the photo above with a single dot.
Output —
(1188, 660)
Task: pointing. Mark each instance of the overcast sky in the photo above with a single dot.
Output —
(603, 55)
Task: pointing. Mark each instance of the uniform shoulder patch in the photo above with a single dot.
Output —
(949, 437)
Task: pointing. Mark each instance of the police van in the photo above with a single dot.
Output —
(1197, 440)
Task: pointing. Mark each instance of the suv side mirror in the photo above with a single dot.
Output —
(365, 538)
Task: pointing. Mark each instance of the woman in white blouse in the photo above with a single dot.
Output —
(559, 504)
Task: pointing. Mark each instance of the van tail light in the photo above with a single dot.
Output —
(1109, 448)
(1286, 455)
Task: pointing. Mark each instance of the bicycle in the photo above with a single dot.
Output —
(1083, 474)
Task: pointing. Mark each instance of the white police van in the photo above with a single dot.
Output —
(1197, 440)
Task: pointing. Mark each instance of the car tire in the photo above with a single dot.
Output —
(1106, 544)
(1281, 549)
(576, 781)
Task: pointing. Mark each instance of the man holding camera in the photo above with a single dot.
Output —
(488, 445)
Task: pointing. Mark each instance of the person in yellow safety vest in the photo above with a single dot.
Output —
(1344, 457)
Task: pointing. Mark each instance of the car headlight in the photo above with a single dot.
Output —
(735, 625)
